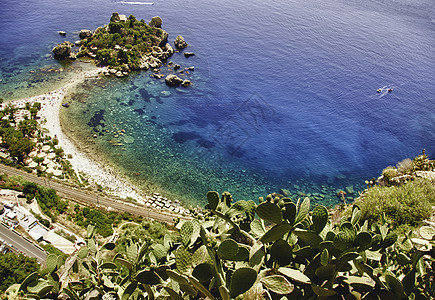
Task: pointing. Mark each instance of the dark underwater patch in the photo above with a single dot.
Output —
(97, 119)
(205, 143)
(183, 136)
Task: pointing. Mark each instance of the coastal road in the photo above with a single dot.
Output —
(21, 244)
(91, 198)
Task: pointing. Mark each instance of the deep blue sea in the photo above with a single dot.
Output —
(284, 93)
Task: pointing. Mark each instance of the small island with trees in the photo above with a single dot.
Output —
(124, 45)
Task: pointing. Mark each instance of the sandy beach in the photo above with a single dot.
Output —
(94, 171)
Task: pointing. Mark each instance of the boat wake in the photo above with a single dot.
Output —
(136, 3)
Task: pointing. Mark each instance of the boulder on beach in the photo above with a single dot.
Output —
(173, 80)
(156, 22)
(62, 50)
(180, 42)
(85, 33)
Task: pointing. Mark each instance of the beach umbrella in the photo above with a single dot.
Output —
(45, 148)
(33, 164)
(51, 155)
(50, 170)
(51, 165)
(33, 154)
(42, 154)
(57, 173)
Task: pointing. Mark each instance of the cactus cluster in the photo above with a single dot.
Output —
(274, 250)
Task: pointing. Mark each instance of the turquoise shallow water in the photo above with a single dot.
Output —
(284, 92)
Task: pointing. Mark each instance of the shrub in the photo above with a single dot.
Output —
(407, 204)
(389, 172)
(405, 166)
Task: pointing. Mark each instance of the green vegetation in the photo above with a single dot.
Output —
(16, 138)
(122, 43)
(407, 204)
(145, 232)
(53, 207)
(404, 198)
(15, 268)
(241, 250)
(84, 216)
(49, 248)
(49, 202)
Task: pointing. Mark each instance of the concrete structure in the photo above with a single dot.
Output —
(59, 242)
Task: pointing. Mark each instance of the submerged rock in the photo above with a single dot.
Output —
(180, 42)
(188, 54)
(165, 93)
(128, 139)
(62, 33)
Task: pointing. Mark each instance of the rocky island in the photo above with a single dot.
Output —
(124, 45)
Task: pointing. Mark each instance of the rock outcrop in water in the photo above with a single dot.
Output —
(123, 42)
(63, 50)
(85, 33)
(125, 45)
(156, 22)
(173, 80)
(180, 43)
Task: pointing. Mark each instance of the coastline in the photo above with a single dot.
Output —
(94, 171)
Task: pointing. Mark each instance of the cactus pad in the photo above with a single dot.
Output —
(277, 284)
(203, 272)
(343, 240)
(228, 249)
(295, 275)
(320, 218)
(281, 252)
(29, 279)
(213, 199)
(159, 251)
(186, 232)
(51, 263)
(148, 277)
(395, 285)
(275, 233)
(303, 210)
(308, 237)
(289, 212)
(389, 239)
(242, 280)
(269, 212)
(257, 228)
(363, 239)
(182, 259)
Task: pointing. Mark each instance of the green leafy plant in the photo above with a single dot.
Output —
(274, 250)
